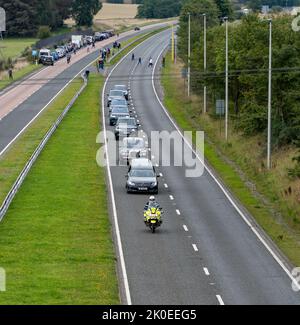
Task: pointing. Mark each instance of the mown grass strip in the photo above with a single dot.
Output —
(55, 241)
(14, 160)
(183, 111)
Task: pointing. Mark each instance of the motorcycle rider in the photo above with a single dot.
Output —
(152, 203)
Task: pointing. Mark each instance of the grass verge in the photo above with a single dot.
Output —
(186, 112)
(55, 240)
(14, 160)
(18, 75)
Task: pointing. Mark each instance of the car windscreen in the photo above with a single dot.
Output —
(121, 109)
(121, 87)
(134, 143)
(116, 93)
(142, 173)
(125, 122)
(119, 102)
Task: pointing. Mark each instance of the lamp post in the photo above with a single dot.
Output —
(269, 163)
(205, 65)
(226, 80)
(189, 57)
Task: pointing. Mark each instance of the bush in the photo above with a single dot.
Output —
(44, 32)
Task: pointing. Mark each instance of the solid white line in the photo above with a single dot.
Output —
(185, 228)
(220, 300)
(205, 269)
(115, 214)
(39, 113)
(178, 212)
(270, 250)
(195, 247)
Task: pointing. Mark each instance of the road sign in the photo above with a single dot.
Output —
(220, 107)
(2, 20)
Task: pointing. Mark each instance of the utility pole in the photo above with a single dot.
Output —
(226, 80)
(189, 57)
(269, 163)
(204, 61)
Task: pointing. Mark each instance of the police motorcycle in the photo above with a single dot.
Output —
(152, 218)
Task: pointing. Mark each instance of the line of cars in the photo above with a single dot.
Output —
(49, 56)
(133, 149)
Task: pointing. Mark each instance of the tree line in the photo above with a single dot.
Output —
(248, 69)
(24, 17)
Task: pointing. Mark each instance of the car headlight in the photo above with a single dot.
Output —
(131, 183)
(153, 184)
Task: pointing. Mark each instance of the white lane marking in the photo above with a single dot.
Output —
(226, 193)
(220, 300)
(166, 185)
(205, 269)
(185, 228)
(195, 247)
(115, 214)
(161, 174)
(171, 197)
(178, 212)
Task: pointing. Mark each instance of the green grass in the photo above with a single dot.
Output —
(55, 240)
(14, 160)
(18, 75)
(184, 112)
(13, 47)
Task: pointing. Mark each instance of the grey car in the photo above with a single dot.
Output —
(142, 177)
(118, 102)
(117, 112)
(114, 94)
(122, 88)
(125, 127)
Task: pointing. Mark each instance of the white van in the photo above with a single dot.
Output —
(43, 53)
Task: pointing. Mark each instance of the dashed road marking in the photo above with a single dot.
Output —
(166, 185)
(205, 269)
(220, 300)
(178, 212)
(195, 247)
(185, 228)
(171, 197)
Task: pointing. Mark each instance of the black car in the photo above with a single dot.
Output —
(117, 112)
(142, 177)
(125, 127)
(47, 60)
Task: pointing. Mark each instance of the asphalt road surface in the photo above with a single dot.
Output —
(204, 253)
(14, 122)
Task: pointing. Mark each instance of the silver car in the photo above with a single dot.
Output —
(115, 94)
(132, 148)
